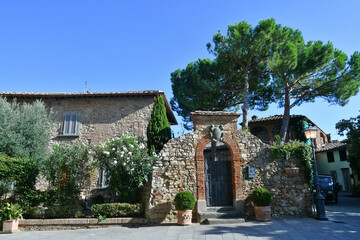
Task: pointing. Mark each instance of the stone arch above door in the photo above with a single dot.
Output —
(236, 162)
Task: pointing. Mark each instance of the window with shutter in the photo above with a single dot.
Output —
(70, 124)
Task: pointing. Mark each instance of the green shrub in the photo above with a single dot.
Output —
(34, 213)
(68, 170)
(71, 211)
(262, 197)
(184, 201)
(118, 210)
(22, 172)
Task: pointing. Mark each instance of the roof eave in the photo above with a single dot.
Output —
(21, 95)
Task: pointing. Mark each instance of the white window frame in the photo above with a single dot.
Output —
(70, 125)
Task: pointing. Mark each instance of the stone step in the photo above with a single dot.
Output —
(211, 221)
(220, 209)
(226, 214)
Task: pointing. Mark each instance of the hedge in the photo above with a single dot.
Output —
(118, 210)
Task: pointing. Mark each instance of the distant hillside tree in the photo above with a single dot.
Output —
(24, 129)
(158, 131)
(351, 128)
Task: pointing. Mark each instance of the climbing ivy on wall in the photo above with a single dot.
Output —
(158, 131)
(300, 150)
(22, 172)
(299, 128)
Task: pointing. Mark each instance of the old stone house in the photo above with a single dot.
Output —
(331, 155)
(222, 170)
(90, 118)
(266, 128)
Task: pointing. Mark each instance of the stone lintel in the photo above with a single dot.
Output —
(206, 118)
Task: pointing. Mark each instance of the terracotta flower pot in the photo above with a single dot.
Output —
(10, 226)
(292, 172)
(263, 213)
(184, 217)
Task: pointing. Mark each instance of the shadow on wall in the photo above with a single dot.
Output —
(159, 211)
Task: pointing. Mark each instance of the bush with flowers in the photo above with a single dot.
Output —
(127, 165)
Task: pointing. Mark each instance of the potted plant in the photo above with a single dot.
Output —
(292, 170)
(184, 204)
(262, 200)
(10, 215)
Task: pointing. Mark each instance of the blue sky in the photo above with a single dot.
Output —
(55, 46)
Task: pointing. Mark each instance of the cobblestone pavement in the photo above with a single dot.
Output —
(344, 223)
(283, 228)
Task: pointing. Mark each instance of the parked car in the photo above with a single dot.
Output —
(327, 188)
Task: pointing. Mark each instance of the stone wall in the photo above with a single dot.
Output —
(174, 171)
(100, 119)
(181, 167)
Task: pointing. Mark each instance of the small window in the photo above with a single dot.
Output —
(102, 179)
(343, 156)
(70, 124)
(330, 156)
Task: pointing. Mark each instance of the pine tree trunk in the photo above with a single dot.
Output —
(286, 116)
(245, 106)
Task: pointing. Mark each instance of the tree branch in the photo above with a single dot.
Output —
(312, 92)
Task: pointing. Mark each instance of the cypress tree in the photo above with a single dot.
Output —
(158, 131)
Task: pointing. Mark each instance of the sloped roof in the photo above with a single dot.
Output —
(274, 118)
(332, 146)
(280, 117)
(47, 95)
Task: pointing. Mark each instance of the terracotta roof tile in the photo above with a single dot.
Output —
(332, 146)
(273, 118)
(88, 94)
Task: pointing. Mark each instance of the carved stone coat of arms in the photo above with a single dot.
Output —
(216, 132)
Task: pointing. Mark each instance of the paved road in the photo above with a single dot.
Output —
(344, 224)
(347, 209)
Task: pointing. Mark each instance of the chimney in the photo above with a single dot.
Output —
(328, 137)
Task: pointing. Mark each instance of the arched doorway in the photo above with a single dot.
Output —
(218, 175)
